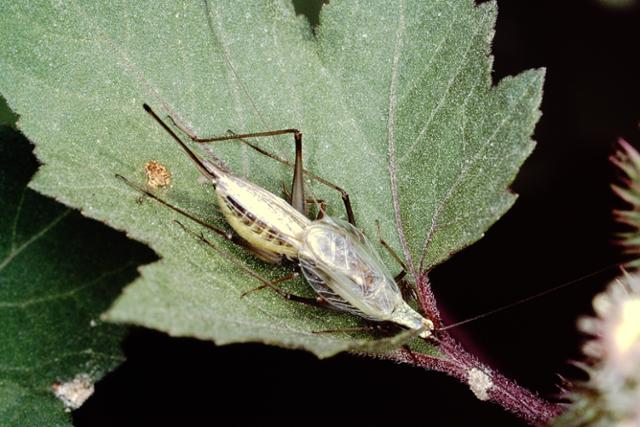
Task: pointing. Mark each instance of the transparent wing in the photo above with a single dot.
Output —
(348, 266)
(314, 278)
(373, 257)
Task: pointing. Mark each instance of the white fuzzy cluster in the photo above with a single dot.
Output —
(75, 392)
(615, 376)
(480, 383)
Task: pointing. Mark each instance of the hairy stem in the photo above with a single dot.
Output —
(484, 382)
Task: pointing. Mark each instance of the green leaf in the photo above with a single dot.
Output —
(394, 99)
(58, 272)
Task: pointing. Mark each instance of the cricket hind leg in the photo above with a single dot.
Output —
(320, 204)
(297, 189)
(265, 282)
(346, 200)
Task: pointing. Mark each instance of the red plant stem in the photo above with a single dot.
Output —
(427, 300)
(457, 362)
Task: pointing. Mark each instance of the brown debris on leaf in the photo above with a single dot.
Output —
(158, 176)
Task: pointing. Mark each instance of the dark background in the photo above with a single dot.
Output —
(560, 229)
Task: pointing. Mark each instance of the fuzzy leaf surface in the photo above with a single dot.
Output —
(394, 99)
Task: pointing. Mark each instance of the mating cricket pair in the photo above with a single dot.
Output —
(335, 257)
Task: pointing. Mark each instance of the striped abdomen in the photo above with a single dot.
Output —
(266, 221)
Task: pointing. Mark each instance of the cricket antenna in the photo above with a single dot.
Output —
(204, 170)
(529, 298)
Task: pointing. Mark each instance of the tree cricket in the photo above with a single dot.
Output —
(336, 258)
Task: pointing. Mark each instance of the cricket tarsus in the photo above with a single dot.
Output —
(201, 167)
(297, 190)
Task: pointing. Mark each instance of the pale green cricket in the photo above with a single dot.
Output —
(336, 258)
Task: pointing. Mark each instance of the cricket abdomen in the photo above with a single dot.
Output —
(266, 221)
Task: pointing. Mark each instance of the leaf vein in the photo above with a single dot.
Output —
(14, 225)
(15, 252)
(57, 359)
(445, 95)
(65, 294)
(391, 124)
(463, 174)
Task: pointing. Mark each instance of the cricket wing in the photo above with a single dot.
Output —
(314, 277)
